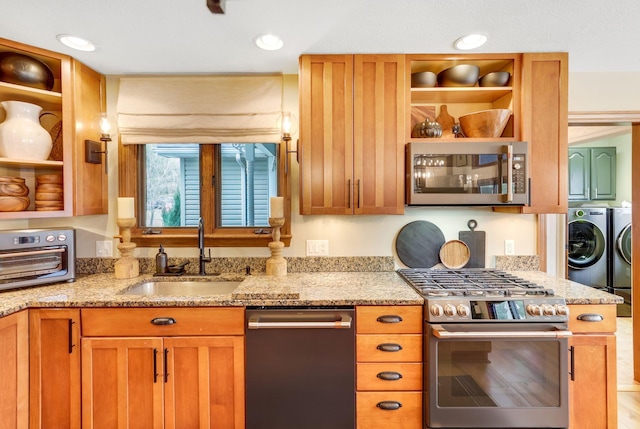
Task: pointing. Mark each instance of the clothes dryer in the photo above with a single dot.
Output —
(587, 246)
(620, 256)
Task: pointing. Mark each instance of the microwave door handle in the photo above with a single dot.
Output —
(441, 332)
(509, 195)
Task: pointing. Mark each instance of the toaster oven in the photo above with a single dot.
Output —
(32, 257)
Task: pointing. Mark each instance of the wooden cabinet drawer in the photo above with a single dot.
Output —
(389, 348)
(607, 324)
(389, 376)
(124, 322)
(371, 412)
(389, 319)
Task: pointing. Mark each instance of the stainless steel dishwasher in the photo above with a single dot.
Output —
(300, 368)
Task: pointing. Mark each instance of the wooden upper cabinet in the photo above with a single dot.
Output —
(90, 181)
(70, 106)
(352, 116)
(545, 127)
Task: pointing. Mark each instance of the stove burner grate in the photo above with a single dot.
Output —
(435, 282)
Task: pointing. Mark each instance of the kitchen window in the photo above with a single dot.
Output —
(202, 146)
(228, 185)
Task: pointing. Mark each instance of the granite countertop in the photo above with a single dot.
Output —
(294, 289)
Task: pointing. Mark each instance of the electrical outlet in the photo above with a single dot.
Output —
(509, 247)
(317, 247)
(104, 249)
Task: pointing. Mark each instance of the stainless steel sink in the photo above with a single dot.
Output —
(183, 288)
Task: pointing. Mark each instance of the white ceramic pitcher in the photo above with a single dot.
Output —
(21, 135)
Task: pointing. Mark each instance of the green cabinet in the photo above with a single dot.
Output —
(592, 174)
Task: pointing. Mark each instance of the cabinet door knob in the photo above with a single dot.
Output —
(389, 318)
(389, 405)
(389, 375)
(160, 321)
(389, 347)
(591, 317)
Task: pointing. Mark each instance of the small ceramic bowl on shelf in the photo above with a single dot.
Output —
(494, 79)
(424, 79)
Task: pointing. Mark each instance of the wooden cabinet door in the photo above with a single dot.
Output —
(326, 134)
(122, 383)
(378, 137)
(544, 126)
(54, 361)
(593, 390)
(603, 173)
(579, 174)
(90, 181)
(205, 383)
(14, 371)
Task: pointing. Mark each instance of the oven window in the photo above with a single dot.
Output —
(499, 373)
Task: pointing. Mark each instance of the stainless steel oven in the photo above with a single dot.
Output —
(496, 349)
(478, 173)
(31, 257)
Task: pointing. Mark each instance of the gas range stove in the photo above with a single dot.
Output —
(483, 295)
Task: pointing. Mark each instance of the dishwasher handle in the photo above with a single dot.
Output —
(268, 321)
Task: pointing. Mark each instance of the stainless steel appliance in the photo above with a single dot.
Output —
(497, 350)
(587, 246)
(479, 173)
(620, 256)
(300, 368)
(32, 257)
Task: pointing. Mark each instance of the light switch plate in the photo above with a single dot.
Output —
(317, 247)
(104, 249)
(509, 247)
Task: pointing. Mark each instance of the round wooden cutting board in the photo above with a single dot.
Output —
(418, 244)
(454, 254)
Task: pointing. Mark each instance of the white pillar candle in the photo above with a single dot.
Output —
(126, 208)
(276, 207)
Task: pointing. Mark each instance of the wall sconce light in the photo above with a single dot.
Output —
(288, 125)
(105, 126)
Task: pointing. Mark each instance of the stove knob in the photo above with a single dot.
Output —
(450, 310)
(436, 310)
(562, 310)
(548, 310)
(534, 310)
(463, 310)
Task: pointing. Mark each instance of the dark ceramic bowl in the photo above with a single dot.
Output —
(460, 75)
(24, 70)
(425, 79)
(495, 79)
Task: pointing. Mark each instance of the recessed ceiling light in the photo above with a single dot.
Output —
(75, 42)
(470, 41)
(268, 42)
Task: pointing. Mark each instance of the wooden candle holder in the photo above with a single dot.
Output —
(276, 264)
(127, 266)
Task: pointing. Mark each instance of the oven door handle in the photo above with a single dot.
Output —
(440, 332)
(32, 252)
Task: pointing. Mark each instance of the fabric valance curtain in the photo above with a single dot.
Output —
(200, 109)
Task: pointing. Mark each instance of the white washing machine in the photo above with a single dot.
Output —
(587, 246)
(620, 256)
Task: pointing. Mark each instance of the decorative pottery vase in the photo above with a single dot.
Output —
(21, 135)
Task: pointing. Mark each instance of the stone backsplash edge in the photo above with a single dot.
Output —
(257, 265)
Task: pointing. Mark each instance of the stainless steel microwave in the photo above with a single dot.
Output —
(467, 174)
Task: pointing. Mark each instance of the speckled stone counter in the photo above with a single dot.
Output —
(572, 292)
(295, 289)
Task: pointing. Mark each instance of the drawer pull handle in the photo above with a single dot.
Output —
(389, 318)
(591, 317)
(389, 347)
(389, 375)
(161, 321)
(389, 405)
